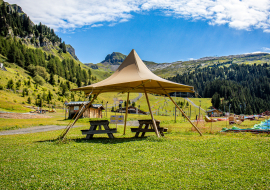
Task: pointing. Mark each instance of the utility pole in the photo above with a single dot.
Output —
(240, 108)
(200, 110)
(175, 109)
(106, 108)
(190, 112)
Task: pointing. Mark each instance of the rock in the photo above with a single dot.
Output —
(71, 50)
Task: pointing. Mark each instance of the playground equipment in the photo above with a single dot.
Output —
(207, 119)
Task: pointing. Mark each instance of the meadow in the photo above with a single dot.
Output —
(180, 160)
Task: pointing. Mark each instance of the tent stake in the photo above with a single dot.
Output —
(77, 117)
(153, 120)
(126, 114)
(181, 110)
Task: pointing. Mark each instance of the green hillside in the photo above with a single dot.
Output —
(41, 69)
(244, 88)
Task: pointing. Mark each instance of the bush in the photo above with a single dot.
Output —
(39, 80)
(1, 87)
(10, 84)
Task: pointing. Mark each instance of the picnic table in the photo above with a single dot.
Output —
(98, 124)
(147, 123)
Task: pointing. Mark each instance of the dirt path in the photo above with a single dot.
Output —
(33, 129)
(8, 115)
(194, 104)
(49, 128)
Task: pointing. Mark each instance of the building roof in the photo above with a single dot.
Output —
(213, 110)
(86, 102)
(2, 67)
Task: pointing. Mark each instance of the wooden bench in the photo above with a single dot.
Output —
(93, 129)
(147, 123)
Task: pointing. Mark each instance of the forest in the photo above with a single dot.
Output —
(238, 88)
(21, 26)
(34, 60)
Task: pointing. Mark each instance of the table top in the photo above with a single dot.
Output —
(147, 121)
(99, 122)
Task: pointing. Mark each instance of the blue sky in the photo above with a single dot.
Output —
(160, 31)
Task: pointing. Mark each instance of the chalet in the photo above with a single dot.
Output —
(94, 111)
(2, 67)
(214, 113)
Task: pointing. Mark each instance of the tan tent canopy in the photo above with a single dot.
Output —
(133, 76)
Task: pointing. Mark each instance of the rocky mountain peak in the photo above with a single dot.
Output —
(115, 58)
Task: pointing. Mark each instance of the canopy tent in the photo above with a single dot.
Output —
(133, 76)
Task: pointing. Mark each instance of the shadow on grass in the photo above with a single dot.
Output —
(102, 140)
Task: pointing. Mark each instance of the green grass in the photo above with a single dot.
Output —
(179, 160)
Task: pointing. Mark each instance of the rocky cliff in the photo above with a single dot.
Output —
(71, 50)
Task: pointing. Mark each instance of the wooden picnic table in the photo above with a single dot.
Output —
(98, 124)
(147, 123)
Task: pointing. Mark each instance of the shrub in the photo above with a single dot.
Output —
(10, 84)
(39, 80)
(29, 100)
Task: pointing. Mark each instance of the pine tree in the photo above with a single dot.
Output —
(29, 100)
(52, 81)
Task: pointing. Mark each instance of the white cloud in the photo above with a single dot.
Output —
(266, 49)
(67, 14)
(97, 25)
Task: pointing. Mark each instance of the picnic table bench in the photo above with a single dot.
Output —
(97, 124)
(147, 123)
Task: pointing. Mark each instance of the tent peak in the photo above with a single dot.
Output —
(131, 76)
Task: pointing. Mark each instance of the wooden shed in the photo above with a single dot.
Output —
(94, 111)
(214, 113)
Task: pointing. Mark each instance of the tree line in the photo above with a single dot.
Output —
(238, 88)
(40, 63)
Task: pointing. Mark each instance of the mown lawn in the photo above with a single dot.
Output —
(182, 159)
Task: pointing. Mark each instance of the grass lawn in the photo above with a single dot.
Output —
(181, 159)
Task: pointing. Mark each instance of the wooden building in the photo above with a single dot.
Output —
(131, 109)
(214, 113)
(94, 111)
(2, 67)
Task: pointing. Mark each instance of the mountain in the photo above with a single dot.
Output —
(41, 69)
(112, 62)
(244, 88)
(15, 23)
(115, 58)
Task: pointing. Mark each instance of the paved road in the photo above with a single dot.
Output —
(137, 98)
(194, 104)
(49, 128)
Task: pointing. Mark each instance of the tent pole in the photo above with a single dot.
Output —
(153, 120)
(63, 135)
(181, 110)
(126, 114)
